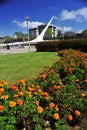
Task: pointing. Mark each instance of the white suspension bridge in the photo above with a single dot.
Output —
(34, 41)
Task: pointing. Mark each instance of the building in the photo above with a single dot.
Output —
(2, 40)
(34, 32)
(69, 34)
(59, 33)
(50, 33)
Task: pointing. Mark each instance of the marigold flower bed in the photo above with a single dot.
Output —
(57, 98)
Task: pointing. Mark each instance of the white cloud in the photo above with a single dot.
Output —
(24, 24)
(79, 31)
(78, 15)
(65, 28)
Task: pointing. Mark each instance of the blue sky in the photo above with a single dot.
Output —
(72, 14)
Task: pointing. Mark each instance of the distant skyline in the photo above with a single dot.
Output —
(71, 14)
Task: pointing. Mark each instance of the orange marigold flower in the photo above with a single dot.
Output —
(46, 94)
(56, 87)
(5, 97)
(70, 117)
(1, 85)
(14, 88)
(30, 88)
(37, 102)
(19, 102)
(57, 75)
(85, 80)
(77, 80)
(77, 113)
(42, 76)
(1, 90)
(20, 93)
(39, 90)
(16, 95)
(5, 83)
(1, 108)
(52, 70)
(52, 81)
(83, 94)
(12, 104)
(42, 93)
(37, 86)
(22, 81)
(78, 86)
(51, 105)
(29, 93)
(60, 83)
(56, 116)
(56, 108)
(46, 98)
(39, 109)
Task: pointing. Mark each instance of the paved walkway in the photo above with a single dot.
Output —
(14, 50)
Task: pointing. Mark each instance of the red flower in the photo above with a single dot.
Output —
(14, 88)
(1, 108)
(85, 80)
(77, 113)
(19, 102)
(70, 118)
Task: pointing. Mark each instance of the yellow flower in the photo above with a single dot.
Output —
(16, 95)
(39, 90)
(83, 94)
(5, 83)
(20, 93)
(1, 85)
(1, 90)
(22, 81)
(5, 97)
(12, 104)
(29, 93)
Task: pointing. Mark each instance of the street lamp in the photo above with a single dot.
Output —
(27, 22)
(62, 31)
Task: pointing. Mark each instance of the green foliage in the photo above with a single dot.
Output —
(84, 32)
(60, 125)
(8, 39)
(58, 96)
(20, 36)
(55, 45)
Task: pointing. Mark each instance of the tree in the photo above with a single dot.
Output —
(84, 32)
(20, 36)
(8, 39)
(49, 34)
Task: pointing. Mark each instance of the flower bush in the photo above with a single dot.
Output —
(58, 96)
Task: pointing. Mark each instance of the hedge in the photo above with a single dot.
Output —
(55, 45)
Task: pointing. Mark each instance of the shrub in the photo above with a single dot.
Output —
(55, 45)
(56, 97)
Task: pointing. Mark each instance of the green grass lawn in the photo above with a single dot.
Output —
(19, 66)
